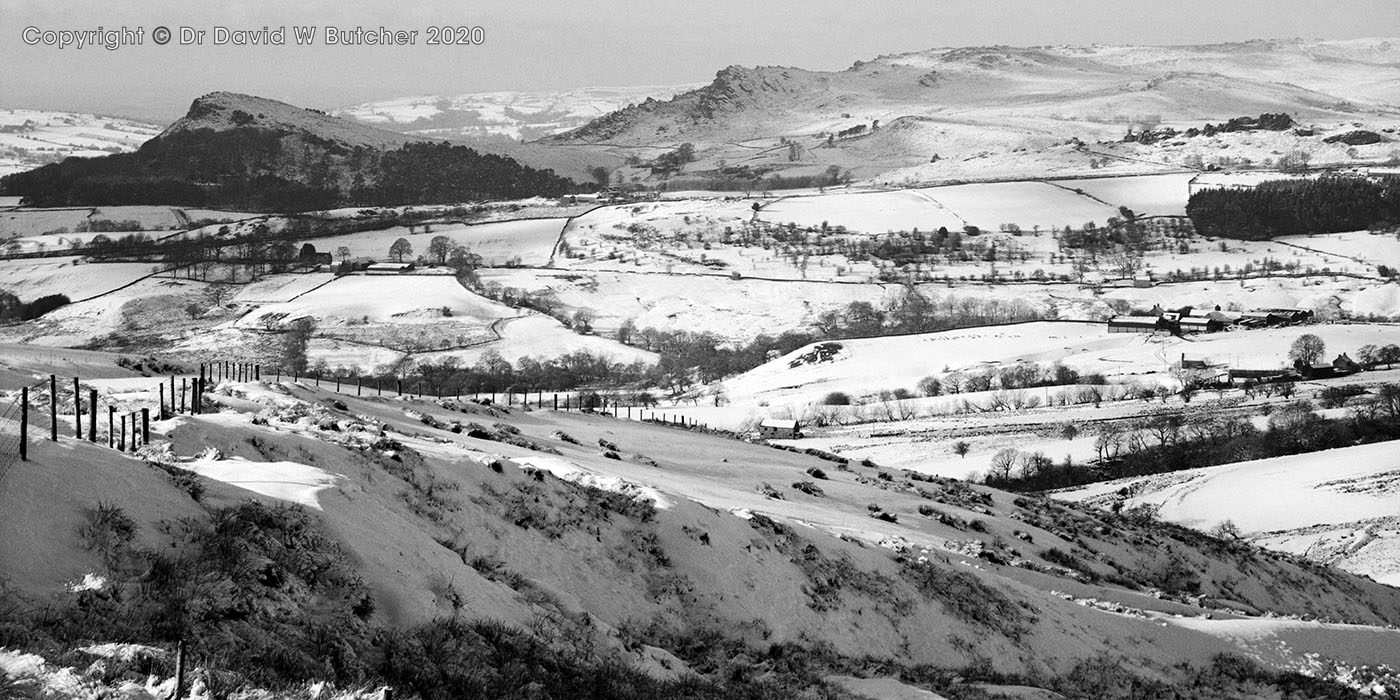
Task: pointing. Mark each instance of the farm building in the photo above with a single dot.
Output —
(777, 428)
(389, 268)
(1276, 317)
(1137, 324)
(1200, 324)
(1341, 366)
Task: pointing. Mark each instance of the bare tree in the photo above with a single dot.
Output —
(440, 247)
(1002, 461)
(1307, 349)
(400, 248)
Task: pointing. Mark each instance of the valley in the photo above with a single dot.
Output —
(987, 372)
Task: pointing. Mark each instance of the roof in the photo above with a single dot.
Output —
(1134, 320)
(779, 424)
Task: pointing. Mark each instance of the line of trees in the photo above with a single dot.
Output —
(1297, 207)
(911, 311)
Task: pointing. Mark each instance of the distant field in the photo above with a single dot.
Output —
(531, 240)
(32, 222)
(985, 205)
(864, 212)
(1026, 204)
(30, 279)
(403, 299)
(1146, 195)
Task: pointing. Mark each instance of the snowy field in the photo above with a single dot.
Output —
(31, 279)
(1146, 195)
(497, 242)
(865, 212)
(381, 298)
(1026, 204)
(41, 137)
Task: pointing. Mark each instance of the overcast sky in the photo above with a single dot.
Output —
(557, 45)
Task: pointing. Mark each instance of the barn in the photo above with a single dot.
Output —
(779, 429)
(1137, 324)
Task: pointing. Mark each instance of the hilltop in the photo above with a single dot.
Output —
(247, 152)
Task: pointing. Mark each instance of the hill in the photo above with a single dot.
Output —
(1172, 83)
(247, 152)
(995, 112)
(594, 542)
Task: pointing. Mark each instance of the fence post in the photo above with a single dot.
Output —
(111, 425)
(257, 373)
(162, 401)
(378, 386)
(121, 444)
(24, 424)
(556, 402)
(172, 394)
(359, 385)
(145, 426)
(398, 386)
(182, 396)
(77, 409)
(337, 383)
(92, 415)
(53, 408)
(179, 671)
(133, 430)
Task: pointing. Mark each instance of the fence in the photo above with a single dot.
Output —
(585, 401)
(129, 428)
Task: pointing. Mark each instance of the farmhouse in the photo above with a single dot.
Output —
(1338, 367)
(777, 428)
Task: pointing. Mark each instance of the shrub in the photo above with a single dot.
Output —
(816, 473)
(836, 398)
(808, 488)
(967, 598)
(43, 305)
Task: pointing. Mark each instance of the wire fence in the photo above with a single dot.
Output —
(51, 404)
(40, 413)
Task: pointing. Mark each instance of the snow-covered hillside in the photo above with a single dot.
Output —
(31, 138)
(1338, 506)
(516, 115)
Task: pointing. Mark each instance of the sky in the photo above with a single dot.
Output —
(540, 46)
